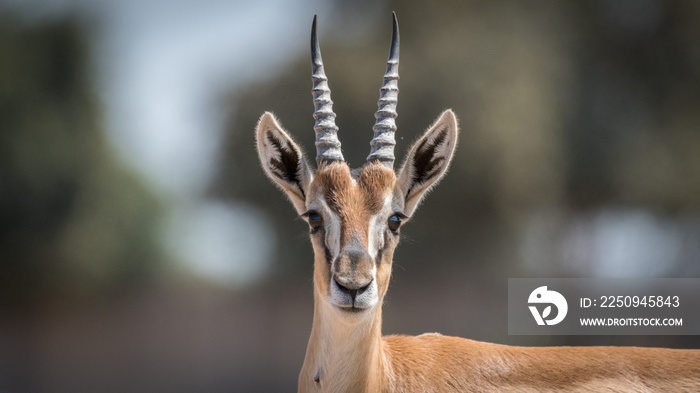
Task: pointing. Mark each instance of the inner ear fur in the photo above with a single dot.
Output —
(428, 160)
(283, 160)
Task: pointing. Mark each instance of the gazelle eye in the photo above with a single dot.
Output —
(394, 222)
(315, 220)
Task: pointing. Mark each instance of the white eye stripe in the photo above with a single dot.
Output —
(332, 227)
(333, 235)
(372, 246)
(377, 226)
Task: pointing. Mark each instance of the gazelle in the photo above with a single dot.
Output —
(355, 218)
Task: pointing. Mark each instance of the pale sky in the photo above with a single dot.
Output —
(163, 69)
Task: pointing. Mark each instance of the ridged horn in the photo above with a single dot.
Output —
(327, 143)
(383, 142)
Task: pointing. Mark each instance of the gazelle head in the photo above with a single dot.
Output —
(355, 216)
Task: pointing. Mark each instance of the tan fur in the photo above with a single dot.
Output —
(355, 200)
(346, 350)
(450, 364)
(352, 356)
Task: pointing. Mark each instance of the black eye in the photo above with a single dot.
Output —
(394, 222)
(315, 220)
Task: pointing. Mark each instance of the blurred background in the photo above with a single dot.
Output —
(142, 249)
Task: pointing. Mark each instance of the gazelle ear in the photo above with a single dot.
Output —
(283, 160)
(428, 160)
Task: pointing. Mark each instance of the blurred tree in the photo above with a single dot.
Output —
(72, 218)
(573, 105)
(634, 136)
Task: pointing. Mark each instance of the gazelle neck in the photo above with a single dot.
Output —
(343, 355)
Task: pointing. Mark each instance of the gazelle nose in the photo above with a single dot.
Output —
(351, 287)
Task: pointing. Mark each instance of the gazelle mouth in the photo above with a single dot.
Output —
(353, 300)
(353, 309)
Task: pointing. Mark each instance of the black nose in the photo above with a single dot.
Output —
(352, 289)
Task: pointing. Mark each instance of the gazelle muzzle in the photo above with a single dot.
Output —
(353, 285)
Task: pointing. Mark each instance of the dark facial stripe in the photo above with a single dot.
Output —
(378, 259)
(327, 252)
(380, 252)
